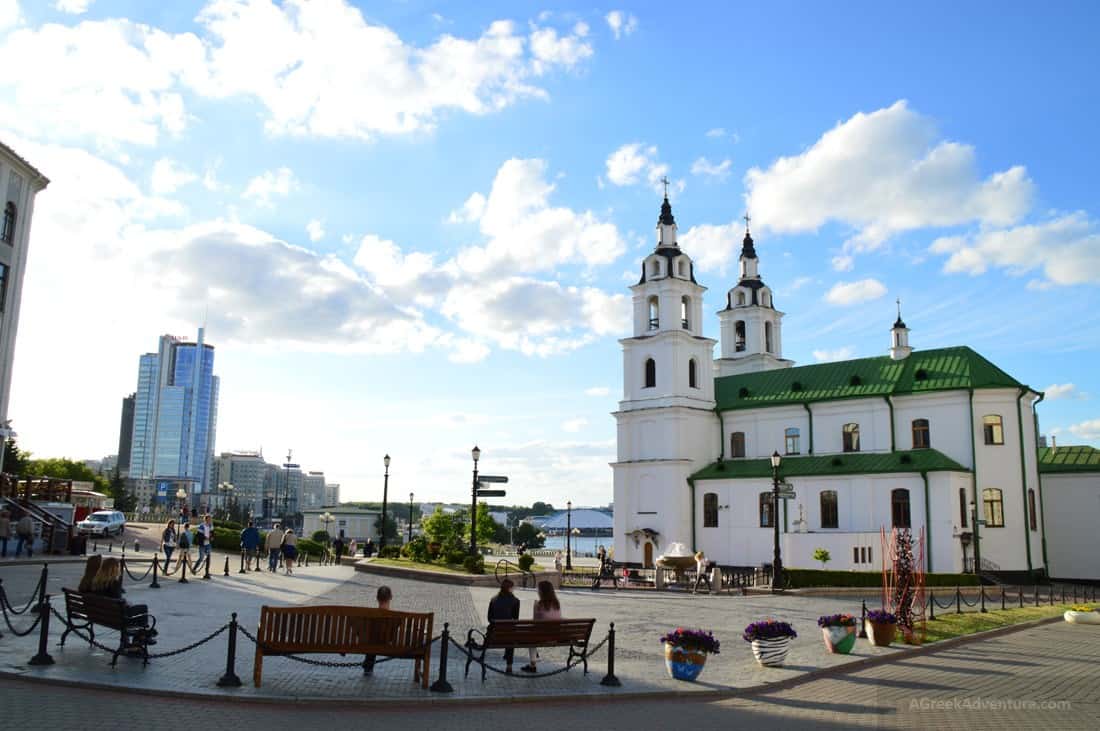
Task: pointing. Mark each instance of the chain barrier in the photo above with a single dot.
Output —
(320, 663)
(946, 605)
(569, 666)
(126, 567)
(968, 603)
(166, 572)
(152, 655)
(30, 602)
(4, 610)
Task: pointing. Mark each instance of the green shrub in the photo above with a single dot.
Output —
(320, 536)
(806, 578)
(390, 552)
(526, 561)
(313, 548)
(228, 524)
(474, 564)
(226, 539)
(456, 556)
(416, 549)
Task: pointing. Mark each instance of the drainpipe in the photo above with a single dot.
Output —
(927, 525)
(1042, 510)
(977, 503)
(811, 413)
(721, 434)
(1023, 477)
(691, 482)
(891, 405)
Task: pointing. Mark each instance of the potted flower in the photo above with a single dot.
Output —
(839, 631)
(770, 641)
(686, 652)
(881, 627)
(1082, 614)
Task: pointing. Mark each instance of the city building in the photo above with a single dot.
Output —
(175, 421)
(313, 490)
(357, 523)
(20, 182)
(247, 472)
(1070, 478)
(332, 493)
(126, 435)
(927, 440)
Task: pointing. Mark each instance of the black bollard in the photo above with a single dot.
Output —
(610, 679)
(43, 580)
(958, 601)
(183, 576)
(43, 657)
(863, 620)
(1052, 596)
(981, 590)
(1002, 597)
(931, 605)
(156, 565)
(230, 679)
(111, 547)
(1036, 595)
(1020, 595)
(241, 570)
(441, 685)
(206, 573)
(95, 546)
(226, 572)
(1063, 595)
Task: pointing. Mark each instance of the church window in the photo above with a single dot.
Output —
(685, 307)
(7, 233)
(682, 267)
(994, 507)
(767, 513)
(899, 504)
(921, 438)
(739, 336)
(768, 337)
(851, 437)
(710, 510)
(791, 437)
(765, 298)
(650, 373)
(654, 313)
(829, 514)
(993, 428)
(692, 379)
(741, 299)
(737, 444)
(655, 268)
(962, 507)
(1033, 520)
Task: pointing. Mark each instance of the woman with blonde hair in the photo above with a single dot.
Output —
(546, 607)
(91, 568)
(108, 582)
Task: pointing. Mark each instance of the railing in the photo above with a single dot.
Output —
(505, 567)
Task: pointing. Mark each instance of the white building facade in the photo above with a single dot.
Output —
(923, 440)
(1071, 495)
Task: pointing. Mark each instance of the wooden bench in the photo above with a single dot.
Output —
(506, 633)
(346, 631)
(84, 611)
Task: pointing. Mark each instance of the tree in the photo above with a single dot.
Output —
(529, 534)
(822, 555)
(125, 500)
(15, 459)
(391, 526)
(486, 526)
(540, 508)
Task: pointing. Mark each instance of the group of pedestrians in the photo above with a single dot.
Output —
(24, 534)
(177, 541)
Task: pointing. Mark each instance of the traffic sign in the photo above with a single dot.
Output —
(291, 465)
(786, 495)
(490, 493)
(492, 478)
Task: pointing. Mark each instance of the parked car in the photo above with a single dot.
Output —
(102, 523)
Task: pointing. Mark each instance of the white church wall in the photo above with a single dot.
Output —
(651, 495)
(1072, 502)
(847, 551)
(941, 541)
(1031, 456)
(872, 415)
(999, 467)
(948, 414)
(764, 429)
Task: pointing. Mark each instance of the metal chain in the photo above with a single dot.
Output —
(166, 572)
(969, 604)
(14, 631)
(126, 566)
(30, 602)
(80, 633)
(151, 656)
(588, 655)
(946, 605)
(320, 663)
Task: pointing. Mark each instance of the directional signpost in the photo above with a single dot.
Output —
(492, 478)
(483, 479)
(786, 494)
(490, 493)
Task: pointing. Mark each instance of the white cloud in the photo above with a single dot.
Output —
(551, 50)
(843, 263)
(854, 293)
(621, 23)
(168, 176)
(574, 425)
(705, 167)
(316, 230)
(827, 356)
(633, 162)
(716, 132)
(210, 176)
(1065, 249)
(262, 188)
(1057, 391)
(471, 210)
(1087, 430)
(884, 173)
(712, 246)
(597, 391)
(388, 267)
(9, 14)
(75, 7)
(466, 350)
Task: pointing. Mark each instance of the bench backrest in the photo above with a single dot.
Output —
(95, 608)
(342, 629)
(538, 632)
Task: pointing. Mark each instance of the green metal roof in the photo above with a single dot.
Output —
(943, 369)
(849, 463)
(1069, 459)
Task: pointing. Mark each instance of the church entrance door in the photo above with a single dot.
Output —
(647, 562)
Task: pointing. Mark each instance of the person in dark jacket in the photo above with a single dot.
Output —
(250, 544)
(505, 606)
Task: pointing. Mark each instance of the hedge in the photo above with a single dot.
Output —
(805, 578)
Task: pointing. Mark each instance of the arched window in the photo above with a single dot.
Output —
(692, 381)
(655, 268)
(993, 429)
(650, 373)
(7, 232)
(791, 438)
(685, 308)
(767, 515)
(739, 336)
(710, 510)
(851, 437)
(899, 507)
(682, 267)
(654, 313)
(768, 337)
(921, 437)
(994, 507)
(740, 299)
(1032, 517)
(764, 299)
(737, 444)
(830, 517)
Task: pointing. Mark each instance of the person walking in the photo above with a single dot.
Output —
(352, 547)
(557, 562)
(274, 546)
(183, 545)
(546, 607)
(290, 550)
(206, 530)
(5, 531)
(338, 548)
(368, 548)
(250, 545)
(168, 542)
(505, 605)
(24, 534)
(701, 576)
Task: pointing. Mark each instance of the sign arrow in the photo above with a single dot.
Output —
(490, 493)
(492, 478)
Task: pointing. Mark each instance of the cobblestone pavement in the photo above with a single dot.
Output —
(1042, 677)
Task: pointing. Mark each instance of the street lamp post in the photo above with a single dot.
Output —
(286, 488)
(410, 517)
(181, 495)
(327, 518)
(476, 454)
(385, 497)
(568, 533)
(225, 488)
(777, 560)
(977, 542)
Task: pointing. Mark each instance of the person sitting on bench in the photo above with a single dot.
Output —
(91, 568)
(108, 582)
(547, 607)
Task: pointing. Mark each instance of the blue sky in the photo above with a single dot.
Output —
(410, 226)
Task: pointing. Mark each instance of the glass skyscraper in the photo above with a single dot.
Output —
(175, 417)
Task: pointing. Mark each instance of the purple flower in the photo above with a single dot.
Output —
(692, 639)
(837, 620)
(881, 615)
(768, 629)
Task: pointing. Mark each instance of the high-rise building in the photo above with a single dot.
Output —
(313, 490)
(175, 418)
(126, 435)
(19, 184)
(247, 472)
(332, 494)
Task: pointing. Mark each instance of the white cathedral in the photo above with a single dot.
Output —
(941, 440)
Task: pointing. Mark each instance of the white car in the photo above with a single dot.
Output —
(102, 523)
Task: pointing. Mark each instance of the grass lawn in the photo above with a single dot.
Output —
(441, 568)
(946, 626)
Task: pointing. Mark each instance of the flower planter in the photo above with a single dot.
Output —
(839, 640)
(881, 634)
(771, 653)
(1075, 617)
(684, 663)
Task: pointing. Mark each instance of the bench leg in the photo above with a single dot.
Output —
(469, 659)
(258, 667)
